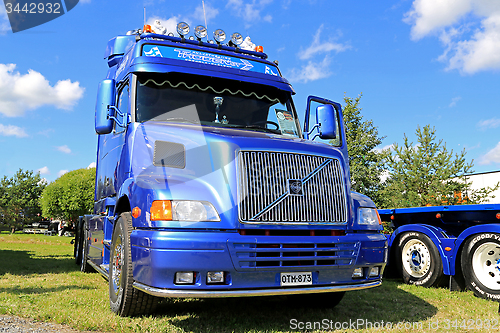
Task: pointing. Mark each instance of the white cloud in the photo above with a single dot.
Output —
(311, 72)
(493, 156)
(249, 10)
(210, 12)
(19, 93)
(4, 21)
(170, 23)
(65, 149)
(489, 123)
(318, 47)
(11, 130)
(454, 101)
(61, 172)
(92, 165)
(316, 69)
(44, 171)
(468, 29)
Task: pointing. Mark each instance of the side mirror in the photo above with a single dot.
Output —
(106, 97)
(325, 117)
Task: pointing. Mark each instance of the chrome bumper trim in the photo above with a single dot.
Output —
(251, 292)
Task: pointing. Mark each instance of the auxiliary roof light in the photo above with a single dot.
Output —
(200, 32)
(171, 34)
(237, 38)
(219, 36)
(191, 37)
(182, 29)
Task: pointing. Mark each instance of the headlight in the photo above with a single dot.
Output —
(368, 216)
(183, 210)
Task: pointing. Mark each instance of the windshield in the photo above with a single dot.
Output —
(215, 102)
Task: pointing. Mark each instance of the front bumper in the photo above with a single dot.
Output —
(252, 264)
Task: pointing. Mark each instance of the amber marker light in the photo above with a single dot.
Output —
(147, 28)
(498, 216)
(136, 212)
(161, 210)
(438, 216)
(379, 219)
(447, 248)
(259, 49)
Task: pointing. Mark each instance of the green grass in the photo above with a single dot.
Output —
(38, 279)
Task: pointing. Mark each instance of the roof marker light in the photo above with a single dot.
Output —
(237, 38)
(219, 36)
(182, 29)
(200, 32)
(171, 34)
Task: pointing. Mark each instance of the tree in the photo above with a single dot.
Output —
(70, 196)
(366, 163)
(428, 174)
(19, 199)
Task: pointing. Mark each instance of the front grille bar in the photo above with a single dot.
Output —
(268, 182)
(287, 193)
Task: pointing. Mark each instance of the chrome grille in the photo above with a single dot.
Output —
(268, 183)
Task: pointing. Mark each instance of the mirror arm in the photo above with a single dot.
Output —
(312, 129)
(121, 114)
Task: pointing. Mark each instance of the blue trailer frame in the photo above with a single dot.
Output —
(460, 242)
(190, 209)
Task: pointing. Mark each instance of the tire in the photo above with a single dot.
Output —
(418, 260)
(319, 300)
(480, 264)
(78, 244)
(84, 239)
(124, 299)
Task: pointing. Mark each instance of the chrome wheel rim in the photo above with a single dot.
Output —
(416, 258)
(116, 274)
(486, 265)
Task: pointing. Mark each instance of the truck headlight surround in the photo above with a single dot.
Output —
(182, 29)
(183, 210)
(219, 36)
(368, 216)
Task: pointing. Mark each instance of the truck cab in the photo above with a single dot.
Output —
(207, 186)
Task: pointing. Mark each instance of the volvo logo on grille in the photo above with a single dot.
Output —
(295, 187)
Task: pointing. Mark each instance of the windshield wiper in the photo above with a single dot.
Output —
(275, 131)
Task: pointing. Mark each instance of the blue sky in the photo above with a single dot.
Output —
(415, 62)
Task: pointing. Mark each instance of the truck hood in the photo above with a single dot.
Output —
(191, 162)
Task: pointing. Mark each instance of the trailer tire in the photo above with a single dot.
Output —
(84, 265)
(318, 300)
(480, 264)
(124, 299)
(418, 260)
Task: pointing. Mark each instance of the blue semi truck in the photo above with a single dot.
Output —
(206, 185)
(458, 246)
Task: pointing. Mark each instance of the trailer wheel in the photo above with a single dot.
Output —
(481, 265)
(124, 299)
(418, 260)
(84, 265)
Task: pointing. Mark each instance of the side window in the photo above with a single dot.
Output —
(123, 106)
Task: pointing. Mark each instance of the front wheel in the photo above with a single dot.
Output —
(481, 265)
(124, 299)
(418, 260)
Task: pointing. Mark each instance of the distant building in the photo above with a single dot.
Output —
(484, 179)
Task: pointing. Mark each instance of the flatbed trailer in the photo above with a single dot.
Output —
(458, 245)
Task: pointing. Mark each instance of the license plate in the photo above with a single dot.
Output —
(296, 279)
